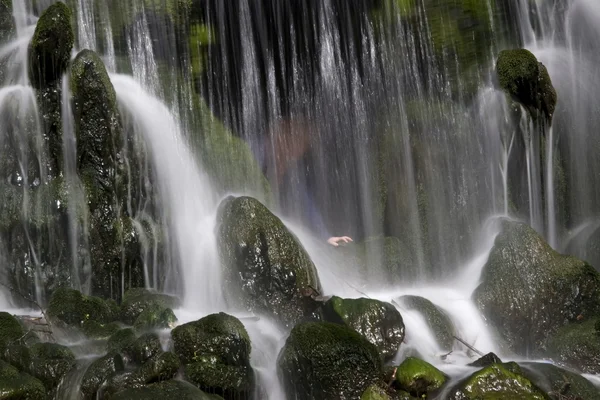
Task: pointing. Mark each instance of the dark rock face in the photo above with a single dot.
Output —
(558, 382)
(438, 321)
(51, 45)
(499, 381)
(378, 322)
(10, 329)
(7, 26)
(527, 81)
(529, 291)
(321, 360)
(216, 353)
(488, 359)
(263, 258)
(577, 345)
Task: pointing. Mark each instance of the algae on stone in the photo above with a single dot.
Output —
(418, 377)
(168, 390)
(577, 345)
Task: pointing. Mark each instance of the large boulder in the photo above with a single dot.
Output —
(51, 46)
(436, 319)
(72, 308)
(577, 345)
(527, 81)
(497, 381)
(10, 329)
(378, 322)
(16, 385)
(169, 390)
(155, 317)
(265, 266)
(528, 291)
(136, 301)
(419, 378)
(216, 353)
(99, 372)
(322, 360)
(50, 362)
(558, 382)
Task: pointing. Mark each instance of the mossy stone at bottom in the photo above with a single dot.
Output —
(10, 329)
(374, 392)
(50, 362)
(559, 382)
(168, 390)
(578, 346)
(231, 382)
(496, 382)
(100, 371)
(15, 385)
(143, 348)
(418, 377)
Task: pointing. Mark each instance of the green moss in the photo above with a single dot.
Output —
(10, 329)
(155, 317)
(257, 249)
(437, 320)
(51, 45)
(137, 300)
(16, 385)
(378, 322)
(558, 382)
(226, 380)
(497, 382)
(120, 340)
(98, 372)
(418, 377)
(324, 360)
(169, 390)
(73, 308)
(50, 363)
(160, 368)
(143, 348)
(96, 330)
(374, 392)
(527, 81)
(577, 345)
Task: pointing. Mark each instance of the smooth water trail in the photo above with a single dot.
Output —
(188, 200)
(550, 199)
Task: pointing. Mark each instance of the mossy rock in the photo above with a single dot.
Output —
(99, 372)
(322, 360)
(10, 329)
(7, 25)
(18, 355)
(378, 322)
(559, 383)
(528, 291)
(50, 362)
(577, 345)
(15, 385)
(436, 319)
(120, 340)
(96, 330)
(418, 377)
(155, 316)
(496, 381)
(265, 260)
(374, 392)
(143, 348)
(73, 308)
(230, 382)
(484, 361)
(168, 390)
(135, 301)
(51, 46)
(527, 81)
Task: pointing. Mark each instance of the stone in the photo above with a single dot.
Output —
(418, 377)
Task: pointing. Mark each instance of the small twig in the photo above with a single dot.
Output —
(444, 356)
(392, 378)
(468, 346)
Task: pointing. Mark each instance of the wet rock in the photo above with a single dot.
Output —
(378, 322)
(120, 340)
(438, 321)
(265, 260)
(559, 383)
(496, 381)
(16, 385)
(143, 348)
(99, 372)
(73, 308)
(50, 362)
(7, 25)
(95, 330)
(374, 392)
(577, 345)
(488, 359)
(18, 355)
(529, 291)
(10, 329)
(527, 81)
(418, 377)
(51, 45)
(322, 360)
(155, 317)
(169, 390)
(137, 300)
(216, 354)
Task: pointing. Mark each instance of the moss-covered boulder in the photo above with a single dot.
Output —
(528, 291)
(378, 322)
(484, 361)
(96, 330)
(216, 353)
(135, 301)
(527, 81)
(143, 349)
(374, 392)
(7, 25)
(559, 383)
(71, 307)
(497, 381)
(51, 46)
(577, 345)
(10, 329)
(50, 362)
(15, 385)
(120, 340)
(437, 320)
(168, 390)
(99, 372)
(265, 266)
(418, 377)
(155, 317)
(322, 360)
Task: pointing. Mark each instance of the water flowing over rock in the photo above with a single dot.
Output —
(437, 320)
(266, 268)
(325, 361)
(529, 291)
